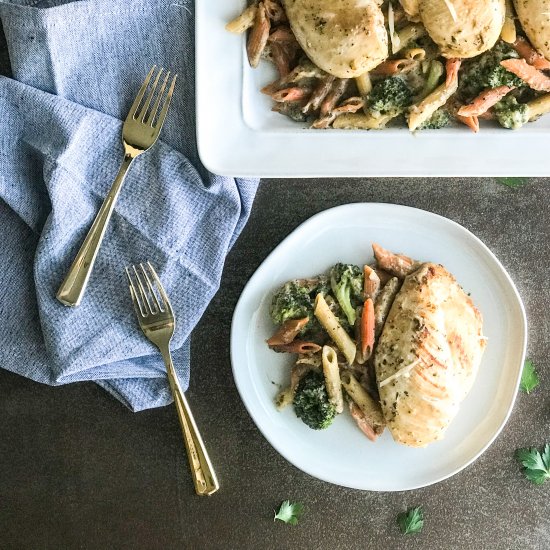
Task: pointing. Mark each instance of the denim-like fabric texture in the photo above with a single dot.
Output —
(77, 67)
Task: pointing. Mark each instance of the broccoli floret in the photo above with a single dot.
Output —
(510, 113)
(499, 76)
(439, 119)
(295, 300)
(346, 281)
(311, 402)
(390, 96)
(291, 301)
(485, 71)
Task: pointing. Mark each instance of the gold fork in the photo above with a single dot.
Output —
(140, 131)
(157, 321)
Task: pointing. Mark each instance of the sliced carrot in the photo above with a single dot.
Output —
(525, 50)
(533, 77)
(470, 121)
(484, 101)
(367, 328)
(451, 67)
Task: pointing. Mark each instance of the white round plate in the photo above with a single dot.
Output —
(341, 454)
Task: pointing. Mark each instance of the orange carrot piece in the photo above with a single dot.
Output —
(367, 328)
(470, 121)
(452, 66)
(533, 77)
(393, 66)
(525, 50)
(484, 101)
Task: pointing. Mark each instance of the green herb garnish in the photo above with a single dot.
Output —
(411, 521)
(529, 377)
(289, 512)
(536, 465)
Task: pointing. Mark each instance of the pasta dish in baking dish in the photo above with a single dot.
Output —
(398, 340)
(372, 64)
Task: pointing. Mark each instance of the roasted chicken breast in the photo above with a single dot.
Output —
(463, 28)
(345, 38)
(534, 16)
(427, 356)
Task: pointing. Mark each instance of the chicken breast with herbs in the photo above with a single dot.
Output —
(463, 28)
(427, 356)
(345, 38)
(534, 16)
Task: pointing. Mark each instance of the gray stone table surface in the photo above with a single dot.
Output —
(78, 470)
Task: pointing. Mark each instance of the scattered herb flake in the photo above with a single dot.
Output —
(512, 182)
(289, 512)
(411, 521)
(536, 465)
(529, 377)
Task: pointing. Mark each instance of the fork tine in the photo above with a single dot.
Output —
(166, 301)
(143, 293)
(155, 108)
(143, 111)
(133, 293)
(162, 115)
(141, 93)
(150, 287)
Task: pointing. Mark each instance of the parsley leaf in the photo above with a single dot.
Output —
(512, 182)
(411, 521)
(289, 512)
(536, 465)
(529, 377)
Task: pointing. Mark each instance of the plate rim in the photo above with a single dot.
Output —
(515, 293)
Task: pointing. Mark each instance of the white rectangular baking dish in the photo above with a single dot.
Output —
(239, 135)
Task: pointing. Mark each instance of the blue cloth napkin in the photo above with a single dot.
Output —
(77, 67)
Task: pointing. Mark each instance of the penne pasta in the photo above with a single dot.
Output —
(331, 324)
(430, 104)
(319, 94)
(331, 371)
(409, 33)
(383, 304)
(358, 121)
(508, 32)
(417, 54)
(284, 398)
(243, 22)
(364, 84)
(296, 346)
(257, 39)
(368, 406)
(538, 107)
(337, 90)
(393, 67)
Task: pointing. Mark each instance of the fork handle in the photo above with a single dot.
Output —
(204, 476)
(73, 286)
